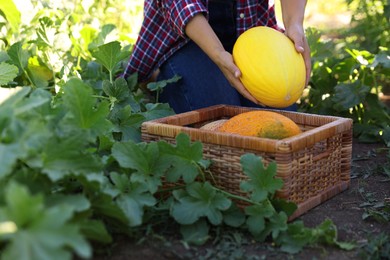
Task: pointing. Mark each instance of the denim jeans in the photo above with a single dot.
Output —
(202, 83)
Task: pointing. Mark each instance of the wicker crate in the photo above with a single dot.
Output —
(314, 165)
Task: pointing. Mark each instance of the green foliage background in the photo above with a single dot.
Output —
(73, 168)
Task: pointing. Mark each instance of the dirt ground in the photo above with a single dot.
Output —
(346, 210)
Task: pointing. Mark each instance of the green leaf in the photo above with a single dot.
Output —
(117, 90)
(85, 112)
(11, 13)
(128, 123)
(199, 200)
(296, 237)
(257, 215)
(37, 99)
(275, 225)
(7, 73)
(78, 202)
(19, 56)
(197, 233)
(144, 159)
(101, 36)
(183, 157)
(9, 154)
(155, 111)
(282, 205)
(40, 75)
(234, 216)
(63, 157)
(262, 182)
(95, 230)
(160, 85)
(109, 55)
(104, 205)
(349, 95)
(132, 197)
(40, 232)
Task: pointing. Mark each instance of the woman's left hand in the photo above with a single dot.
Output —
(297, 35)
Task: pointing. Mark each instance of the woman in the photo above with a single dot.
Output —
(194, 39)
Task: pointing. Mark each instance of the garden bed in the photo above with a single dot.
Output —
(368, 189)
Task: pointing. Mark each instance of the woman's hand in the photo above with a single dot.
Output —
(199, 30)
(297, 35)
(293, 13)
(232, 73)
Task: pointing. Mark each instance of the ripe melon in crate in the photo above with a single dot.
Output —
(264, 124)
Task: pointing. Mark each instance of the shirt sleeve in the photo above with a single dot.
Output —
(178, 13)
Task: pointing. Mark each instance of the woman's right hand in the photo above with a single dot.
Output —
(232, 73)
(199, 30)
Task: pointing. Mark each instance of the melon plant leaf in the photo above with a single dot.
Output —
(234, 216)
(136, 190)
(78, 202)
(9, 154)
(381, 58)
(109, 55)
(39, 232)
(277, 224)
(7, 73)
(118, 90)
(295, 238)
(12, 14)
(128, 124)
(349, 95)
(160, 85)
(158, 110)
(36, 100)
(283, 205)
(104, 205)
(95, 230)
(85, 112)
(199, 200)
(63, 157)
(144, 159)
(132, 81)
(197, 233)
(184, 158)
(19, 56)
(262, 182)
(257, 215)
(132, 197)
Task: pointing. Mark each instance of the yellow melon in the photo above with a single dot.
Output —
(265, 124)
(272, 70)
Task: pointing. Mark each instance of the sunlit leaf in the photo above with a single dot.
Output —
(11, 13)
(19, 56)
(350, 94)
(7, 73)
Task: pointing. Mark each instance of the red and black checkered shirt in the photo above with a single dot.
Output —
(162, 31)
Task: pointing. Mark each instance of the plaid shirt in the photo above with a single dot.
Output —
(162, 32)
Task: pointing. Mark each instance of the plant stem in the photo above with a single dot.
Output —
(237, 197)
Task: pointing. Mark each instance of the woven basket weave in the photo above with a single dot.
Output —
(314, 165)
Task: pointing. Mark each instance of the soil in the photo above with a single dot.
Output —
(368, 186)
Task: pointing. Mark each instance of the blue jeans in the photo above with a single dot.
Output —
(202, 83)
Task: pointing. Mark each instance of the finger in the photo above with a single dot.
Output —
(307, 59)
(244, 92)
